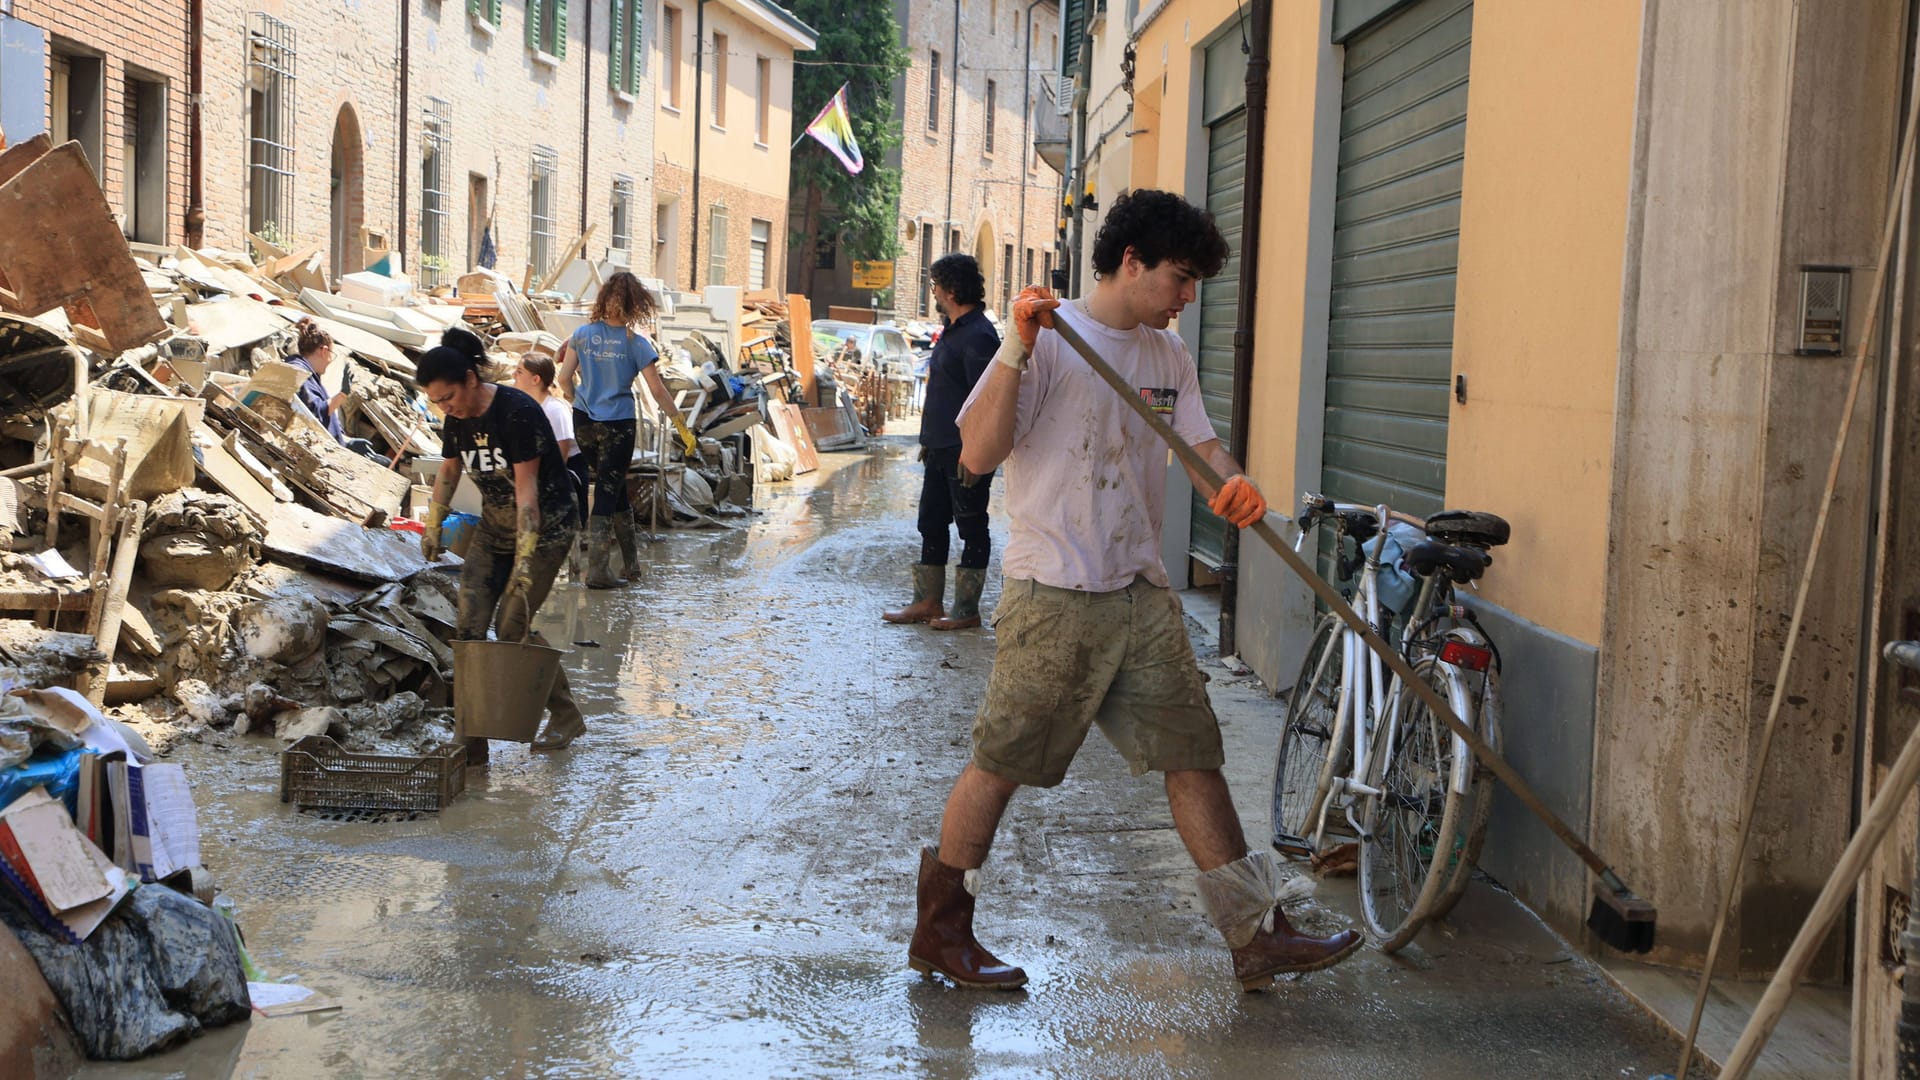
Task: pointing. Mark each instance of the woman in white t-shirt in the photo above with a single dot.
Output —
(534, 378)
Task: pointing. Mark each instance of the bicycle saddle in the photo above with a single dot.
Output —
(1470, 527)
(1462, 564)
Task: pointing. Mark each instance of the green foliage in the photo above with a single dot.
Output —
(859, 45)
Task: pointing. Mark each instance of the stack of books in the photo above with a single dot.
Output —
(67, 884)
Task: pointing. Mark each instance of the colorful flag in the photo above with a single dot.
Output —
(835, 132)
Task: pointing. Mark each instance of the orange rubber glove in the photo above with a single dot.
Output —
(1239, 502)
(1033, 309)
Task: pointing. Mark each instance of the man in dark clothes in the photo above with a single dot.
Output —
(949, 495)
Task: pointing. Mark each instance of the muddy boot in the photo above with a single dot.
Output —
(967, 584)
(564, 720)
(929, 596)
(476, 753)
(943, 939)
(1239, 898)
(629, 551)
(599, 552)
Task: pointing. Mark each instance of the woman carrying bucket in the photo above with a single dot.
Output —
(499, 436)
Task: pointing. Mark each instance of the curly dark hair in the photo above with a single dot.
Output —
(1158, 225)
(960, 275)
(624, 302)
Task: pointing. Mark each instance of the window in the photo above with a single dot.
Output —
(926, 271)
(621, 219)
(435, 139)
(1047, 259)
(987, 139)
(993, 16)
(666, 235)
(953, 241)
(1006, 279)
(547, 27)
(270, 78)
(757, 245)
(144, 159)
(1026, 278)
(762, 99)
(670, 55)
(623, 51)
(546, 162)
(717, 246)
(719, 80)
(933, 90)
(826, 252)
(485, 12)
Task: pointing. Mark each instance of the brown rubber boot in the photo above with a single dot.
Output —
(564, 720)
(599, 552)
(929, 596)
(943, 938)
(476, 753)
(629, 549)
(1285, 951)
(967, 584)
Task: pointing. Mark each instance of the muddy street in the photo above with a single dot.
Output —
(718, 879)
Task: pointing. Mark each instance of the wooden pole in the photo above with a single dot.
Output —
(107, 636)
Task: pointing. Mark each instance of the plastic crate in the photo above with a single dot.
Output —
(316, 772)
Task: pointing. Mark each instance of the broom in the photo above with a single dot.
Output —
(1619, 918)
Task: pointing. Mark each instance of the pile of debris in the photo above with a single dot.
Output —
(178, 532)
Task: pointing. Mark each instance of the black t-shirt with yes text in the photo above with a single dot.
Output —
(512, 430)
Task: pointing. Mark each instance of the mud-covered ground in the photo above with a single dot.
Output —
(718, 879)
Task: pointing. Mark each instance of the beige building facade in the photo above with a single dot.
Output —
(1520, 258)
(724, 130)
(429, 125)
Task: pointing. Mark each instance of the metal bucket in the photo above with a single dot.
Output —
(500, 688)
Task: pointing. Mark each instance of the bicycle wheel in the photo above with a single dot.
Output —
(1473, 826)
(1415, 817)
(1309, 754)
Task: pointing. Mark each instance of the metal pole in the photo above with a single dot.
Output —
(699, 90)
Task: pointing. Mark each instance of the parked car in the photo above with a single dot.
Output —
(877, 345)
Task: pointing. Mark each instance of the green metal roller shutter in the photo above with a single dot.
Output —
(1224, 109)
(1403, 126)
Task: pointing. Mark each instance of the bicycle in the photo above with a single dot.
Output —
(1408, 789)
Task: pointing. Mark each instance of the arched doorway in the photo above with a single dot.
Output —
(983, 254)
(348, 184)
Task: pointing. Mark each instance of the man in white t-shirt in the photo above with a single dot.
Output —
(1088, 631)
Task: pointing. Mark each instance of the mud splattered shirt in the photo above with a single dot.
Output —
(1087, 477)
(512, 430)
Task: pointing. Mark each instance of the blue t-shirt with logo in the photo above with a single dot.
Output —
(611, 357)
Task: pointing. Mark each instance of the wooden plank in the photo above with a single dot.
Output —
(791, 426)
(106, 636)
(573, 252)
(800, 323)
(61, 248)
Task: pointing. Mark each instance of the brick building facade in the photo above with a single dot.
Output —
(510, 122)
(966, 156)
(734, 95)
(116, 79)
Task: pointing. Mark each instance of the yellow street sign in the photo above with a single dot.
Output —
(872, 275)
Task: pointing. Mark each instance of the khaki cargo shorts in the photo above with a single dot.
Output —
(1065, 660)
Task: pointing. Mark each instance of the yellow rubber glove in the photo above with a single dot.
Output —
(686, 435)
(520, 581)
(430, 538)
(1239, 502)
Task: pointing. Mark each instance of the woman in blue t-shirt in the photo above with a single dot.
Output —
(606, 355)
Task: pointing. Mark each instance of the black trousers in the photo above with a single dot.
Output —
(944, 502)
(608, 447)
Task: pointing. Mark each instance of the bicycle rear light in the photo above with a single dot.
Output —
(1462, 655)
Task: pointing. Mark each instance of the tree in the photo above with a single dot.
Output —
(859, 45)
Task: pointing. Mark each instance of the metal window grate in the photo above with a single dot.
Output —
(546, 164)
(270, 76)
(933, 89)
(623, 218)
(993, 93)
(436, 139)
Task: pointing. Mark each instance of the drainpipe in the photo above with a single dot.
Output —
(953, 116)
(1026, 125)
(1079, 156)
(586, 121)
(699, 124)
(400, 153)
(196, 222)
(1261, 31)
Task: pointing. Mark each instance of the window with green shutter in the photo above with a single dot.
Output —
(625, 52)
(547, 27)
(486, 11)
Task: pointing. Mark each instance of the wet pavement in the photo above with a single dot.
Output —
(718, 879)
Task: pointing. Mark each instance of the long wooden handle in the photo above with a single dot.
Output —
(1338, 605)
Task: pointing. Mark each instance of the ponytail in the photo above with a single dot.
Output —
(458, 354)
